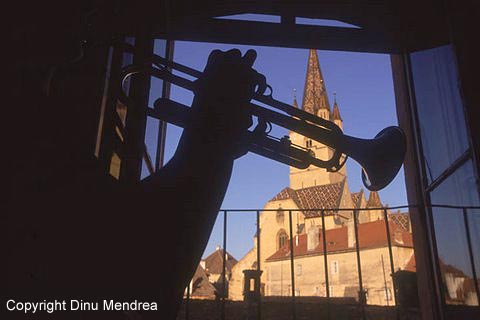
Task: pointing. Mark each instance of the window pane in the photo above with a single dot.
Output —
(441, 118)
(474, 226)
(156, 83)
(455, 265)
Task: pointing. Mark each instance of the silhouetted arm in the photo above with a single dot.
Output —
(190, 189)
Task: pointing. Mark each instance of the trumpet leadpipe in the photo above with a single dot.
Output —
(261, 144)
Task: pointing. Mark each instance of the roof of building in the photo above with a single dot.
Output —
(316, 197)
(336, 112)
(370, 235)
(357, 198)
(314, 93)
(295, 103)
(214, 262)
(465, 287)
(201, 287)
(402, 219)
(374, 200)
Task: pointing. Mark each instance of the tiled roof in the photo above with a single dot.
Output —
(214, 262)
(402, 219)
(370, 235)
(357, 198)
(287, 193)
(336, 112)
(314, 93)
(374, 200)
(467, 286)
(317, 197)
(201, 287)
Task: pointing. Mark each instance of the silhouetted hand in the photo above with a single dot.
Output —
(221, 100)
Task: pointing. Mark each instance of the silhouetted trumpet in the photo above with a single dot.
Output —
(380, 158)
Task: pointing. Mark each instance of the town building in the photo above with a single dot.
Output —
(207, 282)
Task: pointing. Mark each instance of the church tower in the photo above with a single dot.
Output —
(315, 101)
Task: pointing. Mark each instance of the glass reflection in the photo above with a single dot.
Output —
(439, 106)
(454, 260)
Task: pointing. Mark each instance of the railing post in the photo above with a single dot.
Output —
(259, 308)
(470, 252)
(390, 254)
(361, 297)
(187, 303)
(292, 269)
(224, 276)
(325, 261)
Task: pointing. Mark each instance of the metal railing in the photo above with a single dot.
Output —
(357, 249)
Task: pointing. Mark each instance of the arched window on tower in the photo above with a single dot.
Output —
(308, 143)
(280, 216)
(282, 238)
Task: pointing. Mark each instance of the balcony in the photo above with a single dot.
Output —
(335, 263)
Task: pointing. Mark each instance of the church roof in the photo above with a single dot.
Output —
(402, 219)
(370, 235)
(357, 198)
(295, 103)
(214, 262)
(316, 197)
(336, 112)
(374, 200)
(314, 93)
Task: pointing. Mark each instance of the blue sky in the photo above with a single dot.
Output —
(364, 88)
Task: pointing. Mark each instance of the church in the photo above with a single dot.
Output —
(317, 188)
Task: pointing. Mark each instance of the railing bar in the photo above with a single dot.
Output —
(187, 303)
(292, 269)
(359, 266)
(325, 261)
(390, 254)
(470, 252)
(362, 209)
(259, 308)
(224, 276)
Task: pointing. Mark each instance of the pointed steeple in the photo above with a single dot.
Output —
(336, 110)
(315, 92)
(295, 103)
(374, 200)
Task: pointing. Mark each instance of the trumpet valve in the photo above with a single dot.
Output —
(285, 140)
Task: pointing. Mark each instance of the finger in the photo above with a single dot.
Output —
(261, 83)
(249, 57)
(233, 54)
(213, 57)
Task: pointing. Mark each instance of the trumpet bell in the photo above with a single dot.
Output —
(383, 158)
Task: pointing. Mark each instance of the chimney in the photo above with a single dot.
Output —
(217, 248)
(351, 233)
(312, 238)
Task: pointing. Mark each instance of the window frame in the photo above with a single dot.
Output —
(418, 190)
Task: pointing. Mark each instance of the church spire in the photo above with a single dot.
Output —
(336, 110)
(315, 93)
(295, 103)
